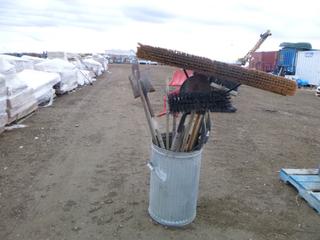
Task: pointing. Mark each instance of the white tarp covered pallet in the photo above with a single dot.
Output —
(20, 99)
(41, 83)
(3, 103)
(19, 63)
(67, 71)
(28, 81)
(34, 60)
(85, 76)
(93, 66)
(102, 60)
(6, 69)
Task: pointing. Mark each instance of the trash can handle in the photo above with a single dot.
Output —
(160, 174)
(150, 166)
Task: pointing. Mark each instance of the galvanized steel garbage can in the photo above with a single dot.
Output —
(174, 184)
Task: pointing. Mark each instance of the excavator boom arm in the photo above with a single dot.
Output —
(263, 37)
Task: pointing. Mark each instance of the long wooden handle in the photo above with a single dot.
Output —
(148, 115)
(174, 125)
(177, 140)
(195, 131)
(158, 133)
(149, 105)
(167, 114)
(186, 134)
(176, 144)
(154, 122)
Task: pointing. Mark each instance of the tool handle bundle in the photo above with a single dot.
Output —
(194, 100)
(191, 135)
(187, 137)
(218, 69)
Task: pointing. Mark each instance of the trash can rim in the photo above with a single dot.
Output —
(166, 152)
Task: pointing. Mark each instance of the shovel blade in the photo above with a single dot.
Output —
(144, 80)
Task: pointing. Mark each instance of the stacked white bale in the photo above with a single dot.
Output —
(42, 84)
(93, 66)
(20, 100)
(19, 63)
(7, 70)
(85, 77)
(3, 103)
(102, 60)
(67, 71)
(34, 60)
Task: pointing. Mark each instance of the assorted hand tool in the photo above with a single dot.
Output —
(195, 99)
(207, 90)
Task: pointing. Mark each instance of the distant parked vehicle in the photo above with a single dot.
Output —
(141, 61)
(318, 92)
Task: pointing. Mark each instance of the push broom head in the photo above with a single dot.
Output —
(215, 101)
(219, 70)
(196, 95)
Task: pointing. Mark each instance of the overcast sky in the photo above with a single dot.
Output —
(222, 30)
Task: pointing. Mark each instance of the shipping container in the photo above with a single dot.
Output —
(263, 61)
(308, 67)
(287, 60)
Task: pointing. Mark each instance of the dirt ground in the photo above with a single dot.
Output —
(78, 171)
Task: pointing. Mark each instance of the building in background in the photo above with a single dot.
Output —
(120, 56)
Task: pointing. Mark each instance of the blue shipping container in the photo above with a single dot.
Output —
(287, 60)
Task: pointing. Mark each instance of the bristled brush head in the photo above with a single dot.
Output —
(215, 101)
(219, 70)
(197, 95)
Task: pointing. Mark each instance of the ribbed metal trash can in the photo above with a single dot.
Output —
(174, 184)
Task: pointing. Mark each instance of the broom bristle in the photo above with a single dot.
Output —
(219, 70)
(215, 101)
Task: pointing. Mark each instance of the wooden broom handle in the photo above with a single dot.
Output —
(195, 131)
